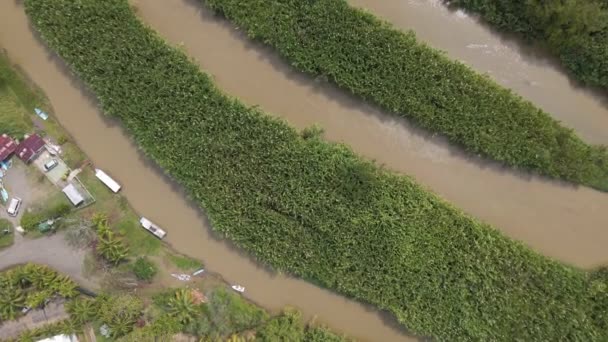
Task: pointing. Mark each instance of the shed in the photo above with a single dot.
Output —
(73, 195)
(7, 147)
(61, 338)
(30, 147)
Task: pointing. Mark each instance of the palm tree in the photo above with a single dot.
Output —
(82, 310)
(111, 247)
(12, 300)
(182, 306)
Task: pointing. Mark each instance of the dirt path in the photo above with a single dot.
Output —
(52, 251)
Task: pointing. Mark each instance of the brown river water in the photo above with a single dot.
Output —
(565, 222)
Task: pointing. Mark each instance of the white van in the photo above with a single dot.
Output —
(13, 207)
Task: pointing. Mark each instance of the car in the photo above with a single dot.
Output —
(13, 207)
(49, 165)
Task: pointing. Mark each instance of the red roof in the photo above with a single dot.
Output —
(29, 147)
(7, 147)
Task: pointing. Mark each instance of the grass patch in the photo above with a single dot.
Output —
(141, 242)
(184, 263)
(369, 58)
(6, 239)
(315, 209)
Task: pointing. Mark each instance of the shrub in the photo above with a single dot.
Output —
(144, 269)
(312, 208)
(369, 58)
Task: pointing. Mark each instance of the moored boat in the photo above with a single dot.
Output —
(152, 228)
(238, 288)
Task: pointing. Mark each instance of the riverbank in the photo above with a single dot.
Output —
(69, 250)
(361, 54)
(106, 143)
(220, 125)
(525, 208)
(526, 70)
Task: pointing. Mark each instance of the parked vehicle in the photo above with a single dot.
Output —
(13, 207)
(152, 228)
(51, 164)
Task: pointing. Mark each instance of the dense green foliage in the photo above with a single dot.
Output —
(31, 219)
(144, 269)
(358, 52)
(312, 208)
(109, 245)
(224, 312)
(575, 30)
(30, 285)
(288, 327)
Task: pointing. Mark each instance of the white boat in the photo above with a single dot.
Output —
(238, 288)
(107, 180)
(198, 272)
(152, 228)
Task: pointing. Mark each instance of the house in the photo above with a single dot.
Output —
(73, 195)
(7, 147)
(61, 338)
(30, 148)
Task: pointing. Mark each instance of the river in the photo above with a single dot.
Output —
(524, 69)
(559, 220)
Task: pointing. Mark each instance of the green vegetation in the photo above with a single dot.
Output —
(30, 286)
(109, 245)
(7, 234)
(144, 269)
(14, 101)
(288, 327)
(313, 208)
(49, 330)
(356, 51)
(184, 263)
(32, 218)
(575, 30)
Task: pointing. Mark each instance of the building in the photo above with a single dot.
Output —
(7, 147)
(73, 195)
(30, 148)
(61, 338)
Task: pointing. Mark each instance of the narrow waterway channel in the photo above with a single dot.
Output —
(151, 194)
(529, 72)
(558, 220)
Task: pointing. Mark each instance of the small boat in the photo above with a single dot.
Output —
(107, 180)
(152, 228)
(238, 288)
(182, 277)
(41, 114)
(198, 272)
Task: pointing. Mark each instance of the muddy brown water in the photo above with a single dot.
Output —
(558, 220)
(524, 69)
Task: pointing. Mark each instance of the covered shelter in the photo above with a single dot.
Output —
(73, 195)
(61, 338)
(7, 147)
(30, 148)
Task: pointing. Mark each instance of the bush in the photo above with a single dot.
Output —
(369, 58)
(144, 269)
(31, 219)
(575, 30)
(312, 208)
